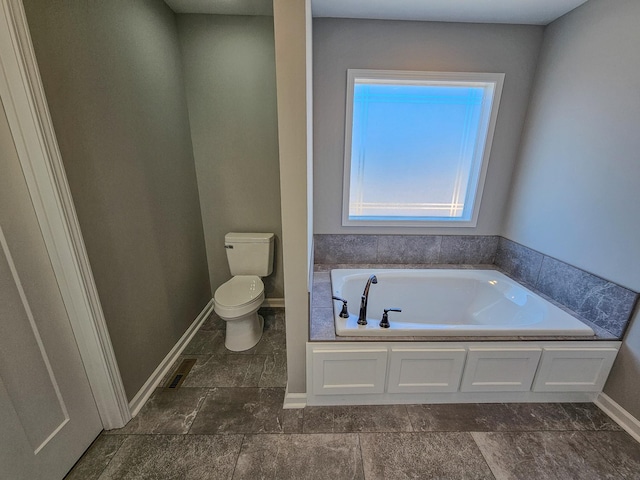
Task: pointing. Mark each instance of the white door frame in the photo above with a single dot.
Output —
(33, 133)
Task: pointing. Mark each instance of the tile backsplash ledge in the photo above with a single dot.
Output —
(604, 303)
(418, 249)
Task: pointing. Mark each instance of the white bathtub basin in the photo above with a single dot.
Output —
(442, 302)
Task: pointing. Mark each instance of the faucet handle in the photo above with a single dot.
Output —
(345, 312)
(384, 323)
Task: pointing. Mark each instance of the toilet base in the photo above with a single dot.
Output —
(243, 333)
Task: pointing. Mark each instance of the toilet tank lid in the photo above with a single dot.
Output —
(248, 237)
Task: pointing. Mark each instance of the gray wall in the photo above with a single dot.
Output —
(229, 67)
(340, 44)
(577, 189)
(112, 76)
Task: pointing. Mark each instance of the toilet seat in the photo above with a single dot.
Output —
(239, 296)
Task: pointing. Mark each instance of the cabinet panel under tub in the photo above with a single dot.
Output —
(349, 371)
(376, 373)
(574, 369)
(424, 370)
(500, 369)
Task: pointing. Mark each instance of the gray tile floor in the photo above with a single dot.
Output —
(227, 422)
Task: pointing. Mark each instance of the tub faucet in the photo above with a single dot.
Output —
(362, 318)
(345, 311)
(384, 323)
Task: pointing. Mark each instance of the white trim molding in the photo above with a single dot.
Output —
(273, 303)
(33, 133)
(294, 400)
(619, 415)
(462, 209)
(163, 369)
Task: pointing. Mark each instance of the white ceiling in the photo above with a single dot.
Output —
(536, 12)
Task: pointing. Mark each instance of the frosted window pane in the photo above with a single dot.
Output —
(415, 149)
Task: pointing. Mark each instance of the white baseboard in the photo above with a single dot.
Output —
(273, 303)
(159, 373)
(454, 397)
(623, 418)
(294, 400)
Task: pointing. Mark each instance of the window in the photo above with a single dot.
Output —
(417, 146)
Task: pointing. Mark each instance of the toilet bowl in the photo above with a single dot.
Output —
(237, 302)
(250, 257)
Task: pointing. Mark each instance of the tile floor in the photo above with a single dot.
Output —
(227, 422)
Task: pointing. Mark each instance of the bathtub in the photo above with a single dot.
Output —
(442, 302)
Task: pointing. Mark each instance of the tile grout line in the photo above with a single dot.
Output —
(539, 270)
(406, 409)
(364, 474)
(486, 462)
(107, 464)
(235, 465)
(200, 404)
(601, 453)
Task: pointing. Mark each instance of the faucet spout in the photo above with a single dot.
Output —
(362, 318)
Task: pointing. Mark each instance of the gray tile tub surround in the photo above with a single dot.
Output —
(604, 303)
(522, 263)
(468, 249)
(405, 249)
(345, 248)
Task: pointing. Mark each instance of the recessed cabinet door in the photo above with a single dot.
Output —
(500, 369)
(349, 371)
(574, 369)
(424, 370)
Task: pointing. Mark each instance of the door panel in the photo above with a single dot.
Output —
(48, 414)
(24, 349)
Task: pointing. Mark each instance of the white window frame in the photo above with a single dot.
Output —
(413, 78)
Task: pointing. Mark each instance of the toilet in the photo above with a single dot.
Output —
(250, 257)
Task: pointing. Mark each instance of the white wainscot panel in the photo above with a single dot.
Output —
(425, 370)
(500, 369)
(349, 371)
(574, 369)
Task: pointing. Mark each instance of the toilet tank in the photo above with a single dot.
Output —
(250, 253)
